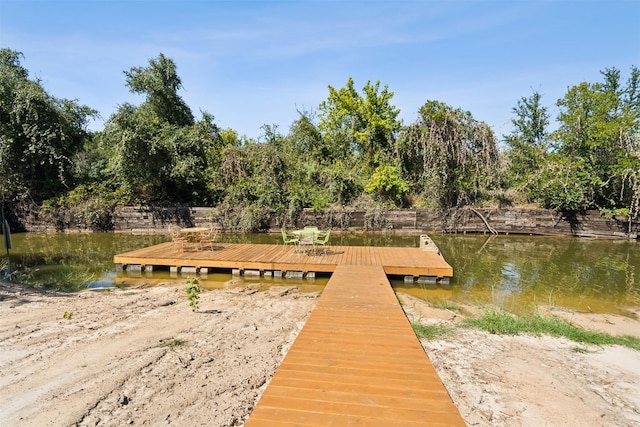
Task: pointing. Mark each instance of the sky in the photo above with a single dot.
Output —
(260, 62)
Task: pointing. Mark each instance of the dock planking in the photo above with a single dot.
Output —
(246, 256)
(356, 362)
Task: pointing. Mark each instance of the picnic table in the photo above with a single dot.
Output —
(306, 237)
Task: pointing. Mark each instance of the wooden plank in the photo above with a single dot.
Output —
(356, 362)
(397, 261)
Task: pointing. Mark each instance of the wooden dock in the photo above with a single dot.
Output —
(357, 362)
(398, 261)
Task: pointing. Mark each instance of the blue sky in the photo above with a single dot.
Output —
(251, 63)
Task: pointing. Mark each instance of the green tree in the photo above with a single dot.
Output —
(564, 184)
(600, 129)
(305, 139)
(529, 142)
(39, 134)
(255, 178)
(450, 158)
(160, 83)
(157, 150)
(386, 184)
(365, 125)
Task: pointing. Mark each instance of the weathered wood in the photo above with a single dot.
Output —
(463, 220)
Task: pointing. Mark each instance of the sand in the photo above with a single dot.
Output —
(142, 357)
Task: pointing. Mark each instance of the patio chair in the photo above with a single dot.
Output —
(323, 240)
(307, 238)
(286, 239)
(207, 238)
(177, 238)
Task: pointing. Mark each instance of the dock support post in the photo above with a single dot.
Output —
(253, 274)
(432, 280)
(134, 270)
(185, 271)
(293, 274)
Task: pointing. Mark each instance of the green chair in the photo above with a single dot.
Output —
(287, 239)
(324, 241)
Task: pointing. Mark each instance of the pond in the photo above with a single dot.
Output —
(516, 272)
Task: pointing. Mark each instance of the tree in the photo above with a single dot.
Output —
(386, 184)
(450, 158)
(157, 150)
(160, 83)
(362, 125)
(39, 134)
(564, 184)
(255, 180)
(305, 140)
(529, 142)
(600, 127)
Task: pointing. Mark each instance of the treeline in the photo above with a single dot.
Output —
(352, 151)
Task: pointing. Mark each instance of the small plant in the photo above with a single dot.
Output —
(172, 343)
(431, 332)
(582, 350)
(67, 315)
(445, 304)
(193, 293)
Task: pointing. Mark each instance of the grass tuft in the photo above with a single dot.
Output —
(445, 304)
(503, 323)
(431, 332)
(172, 343)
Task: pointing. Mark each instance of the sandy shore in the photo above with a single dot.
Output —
(142, 357)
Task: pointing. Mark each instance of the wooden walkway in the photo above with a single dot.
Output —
(395, 260)
(356, 362)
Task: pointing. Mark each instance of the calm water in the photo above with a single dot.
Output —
(514, 271)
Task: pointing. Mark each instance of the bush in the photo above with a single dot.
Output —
(387, 185)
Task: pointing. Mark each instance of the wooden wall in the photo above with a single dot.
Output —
(466, 220)
(477, 220)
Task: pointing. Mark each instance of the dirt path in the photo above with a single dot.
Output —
(142, 357)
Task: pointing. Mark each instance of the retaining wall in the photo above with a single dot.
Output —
(465, 220)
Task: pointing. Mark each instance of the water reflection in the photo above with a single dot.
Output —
(584, 274)
(513, 271)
